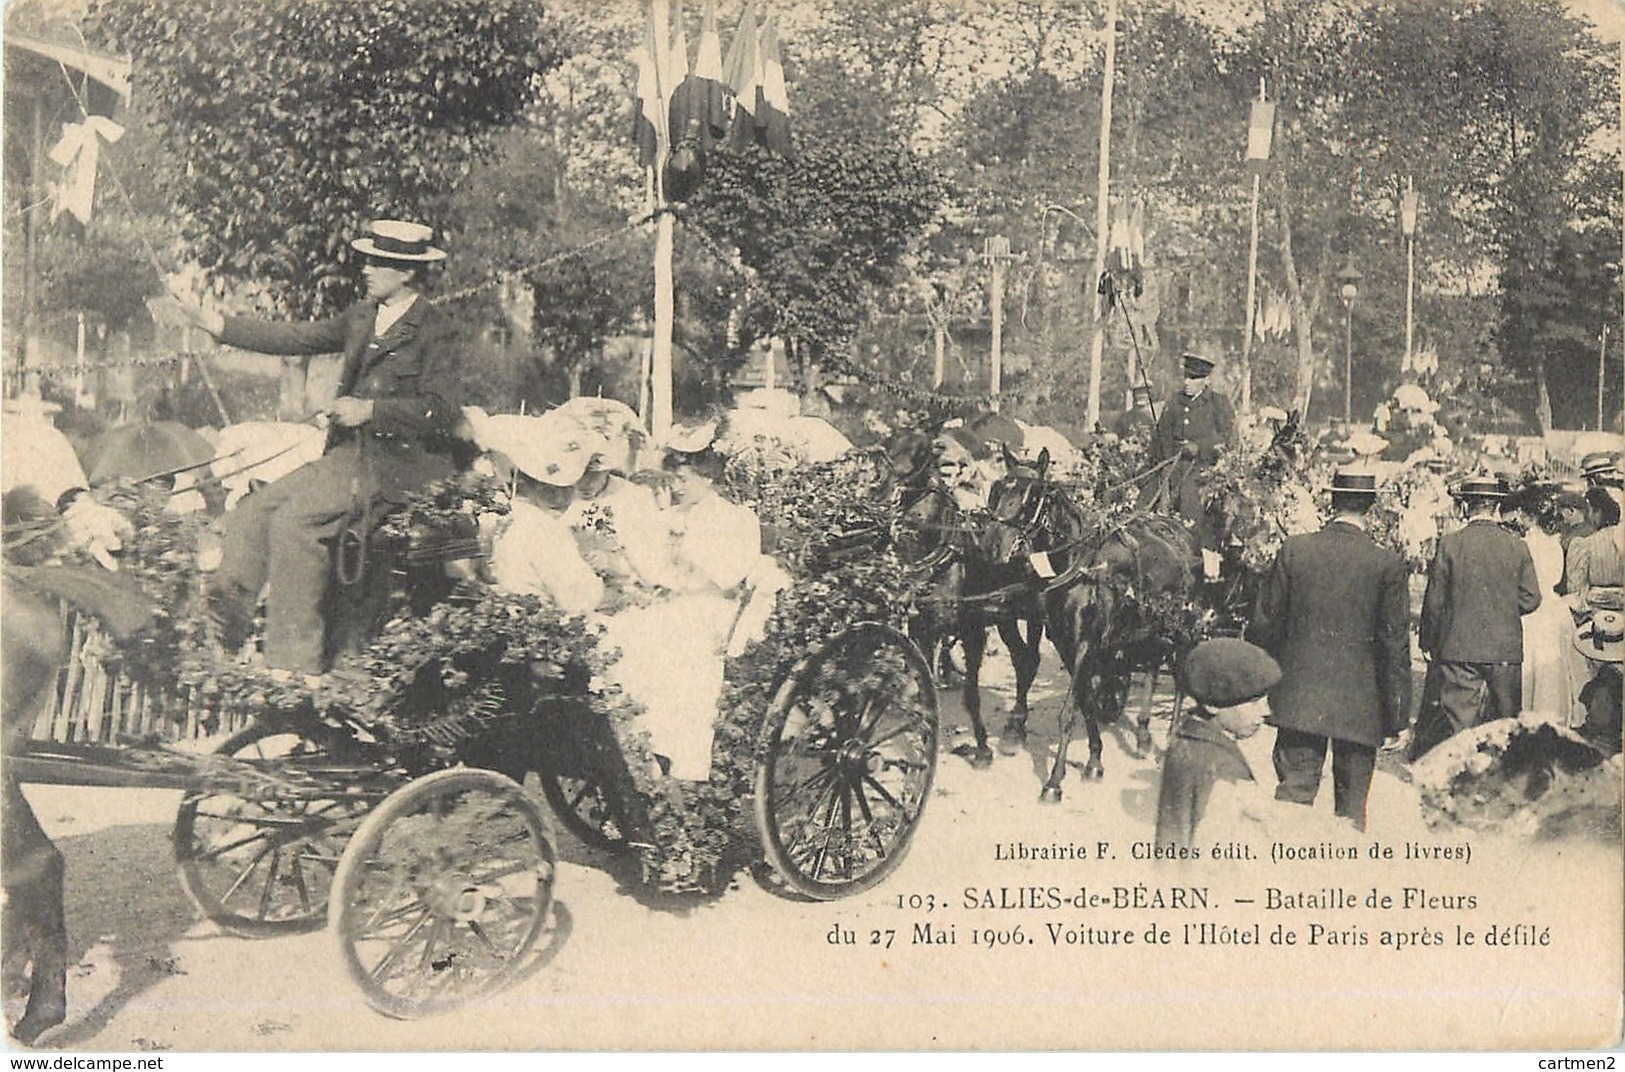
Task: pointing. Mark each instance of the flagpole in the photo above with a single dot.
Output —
(660, 388)
(1252, 291)
(1097, 343)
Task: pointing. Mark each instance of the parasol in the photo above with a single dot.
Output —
(140, 451)
(992, 428)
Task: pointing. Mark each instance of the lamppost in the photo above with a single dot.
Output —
(1350, 278)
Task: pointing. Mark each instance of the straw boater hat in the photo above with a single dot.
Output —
(399, 240)
(1480, 487)
(1600, 465)
(1603, 637)
(1353, 480)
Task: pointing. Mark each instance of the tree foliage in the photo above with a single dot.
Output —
(295, 121)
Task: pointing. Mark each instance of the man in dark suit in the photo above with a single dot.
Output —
(1196, 426)
(1138, 419)
(1335, 614)
(1481, 581)
(391, 432)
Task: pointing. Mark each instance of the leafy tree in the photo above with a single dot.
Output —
(822, 230)
(294, 121)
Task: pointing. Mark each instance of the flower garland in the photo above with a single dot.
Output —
(428, 683)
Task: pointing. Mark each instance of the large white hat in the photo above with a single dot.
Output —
(555, 451)
(690, 439)
(399, 240)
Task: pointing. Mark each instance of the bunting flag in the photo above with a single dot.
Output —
(648, 125)
(77, 153)
(679, 84)
(709, 98)
(1260, 131)
(773, 115)
(744, 79)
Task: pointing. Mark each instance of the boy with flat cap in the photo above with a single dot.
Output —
(1229, 680)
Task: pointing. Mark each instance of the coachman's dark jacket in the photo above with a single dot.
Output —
(407, 372)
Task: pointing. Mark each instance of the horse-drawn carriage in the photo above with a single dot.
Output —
(396, 802)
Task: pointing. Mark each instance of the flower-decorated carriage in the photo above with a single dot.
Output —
(396, 800)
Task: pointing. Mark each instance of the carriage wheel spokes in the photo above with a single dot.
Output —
(443, 892)
(846, 760)
(260, 867)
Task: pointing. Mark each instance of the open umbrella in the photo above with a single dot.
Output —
(138, 451)
(995, 428)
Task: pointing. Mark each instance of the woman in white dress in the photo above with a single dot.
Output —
(718, 591)
(533, 549)
(1551, 685)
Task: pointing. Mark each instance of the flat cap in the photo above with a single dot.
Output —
(1224, 672)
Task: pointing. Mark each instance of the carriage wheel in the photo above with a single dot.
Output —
(262, 867)
(845, 762)
(584, 806)
(442, 892)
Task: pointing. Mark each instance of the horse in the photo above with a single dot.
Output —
(1116, 600)
(965, 592)
(33, 925)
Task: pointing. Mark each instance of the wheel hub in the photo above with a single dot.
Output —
(456, 897)
(854, 758)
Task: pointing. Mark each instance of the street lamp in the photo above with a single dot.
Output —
(1350, 278)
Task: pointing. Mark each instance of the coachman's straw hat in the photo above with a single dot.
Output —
(399, 240)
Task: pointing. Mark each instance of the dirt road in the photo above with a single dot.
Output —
(627, 968)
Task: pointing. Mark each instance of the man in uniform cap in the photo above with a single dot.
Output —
(1481, 581)
(1228, 679)
(1334, 610)
(392, 432)
(1197, 425)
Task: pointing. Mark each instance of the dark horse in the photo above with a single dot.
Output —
(1115, 594)
(965, 590)
(33, 928)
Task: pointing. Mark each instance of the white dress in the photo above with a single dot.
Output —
(1550, 684)
(672, 651)
(535, 553)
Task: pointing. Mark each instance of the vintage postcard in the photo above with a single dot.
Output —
(824, 525)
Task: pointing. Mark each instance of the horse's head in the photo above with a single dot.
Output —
(1023, 507)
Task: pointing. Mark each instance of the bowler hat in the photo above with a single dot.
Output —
(1225, 672)
(399, 240)
(1196, 366)
(1480, 487)
(1603, 637)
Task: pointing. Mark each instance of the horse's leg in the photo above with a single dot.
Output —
(1051, 791)
(1024, 658)
(32, 924)
(1093, 686)
(974, 637)
(1142, 726)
